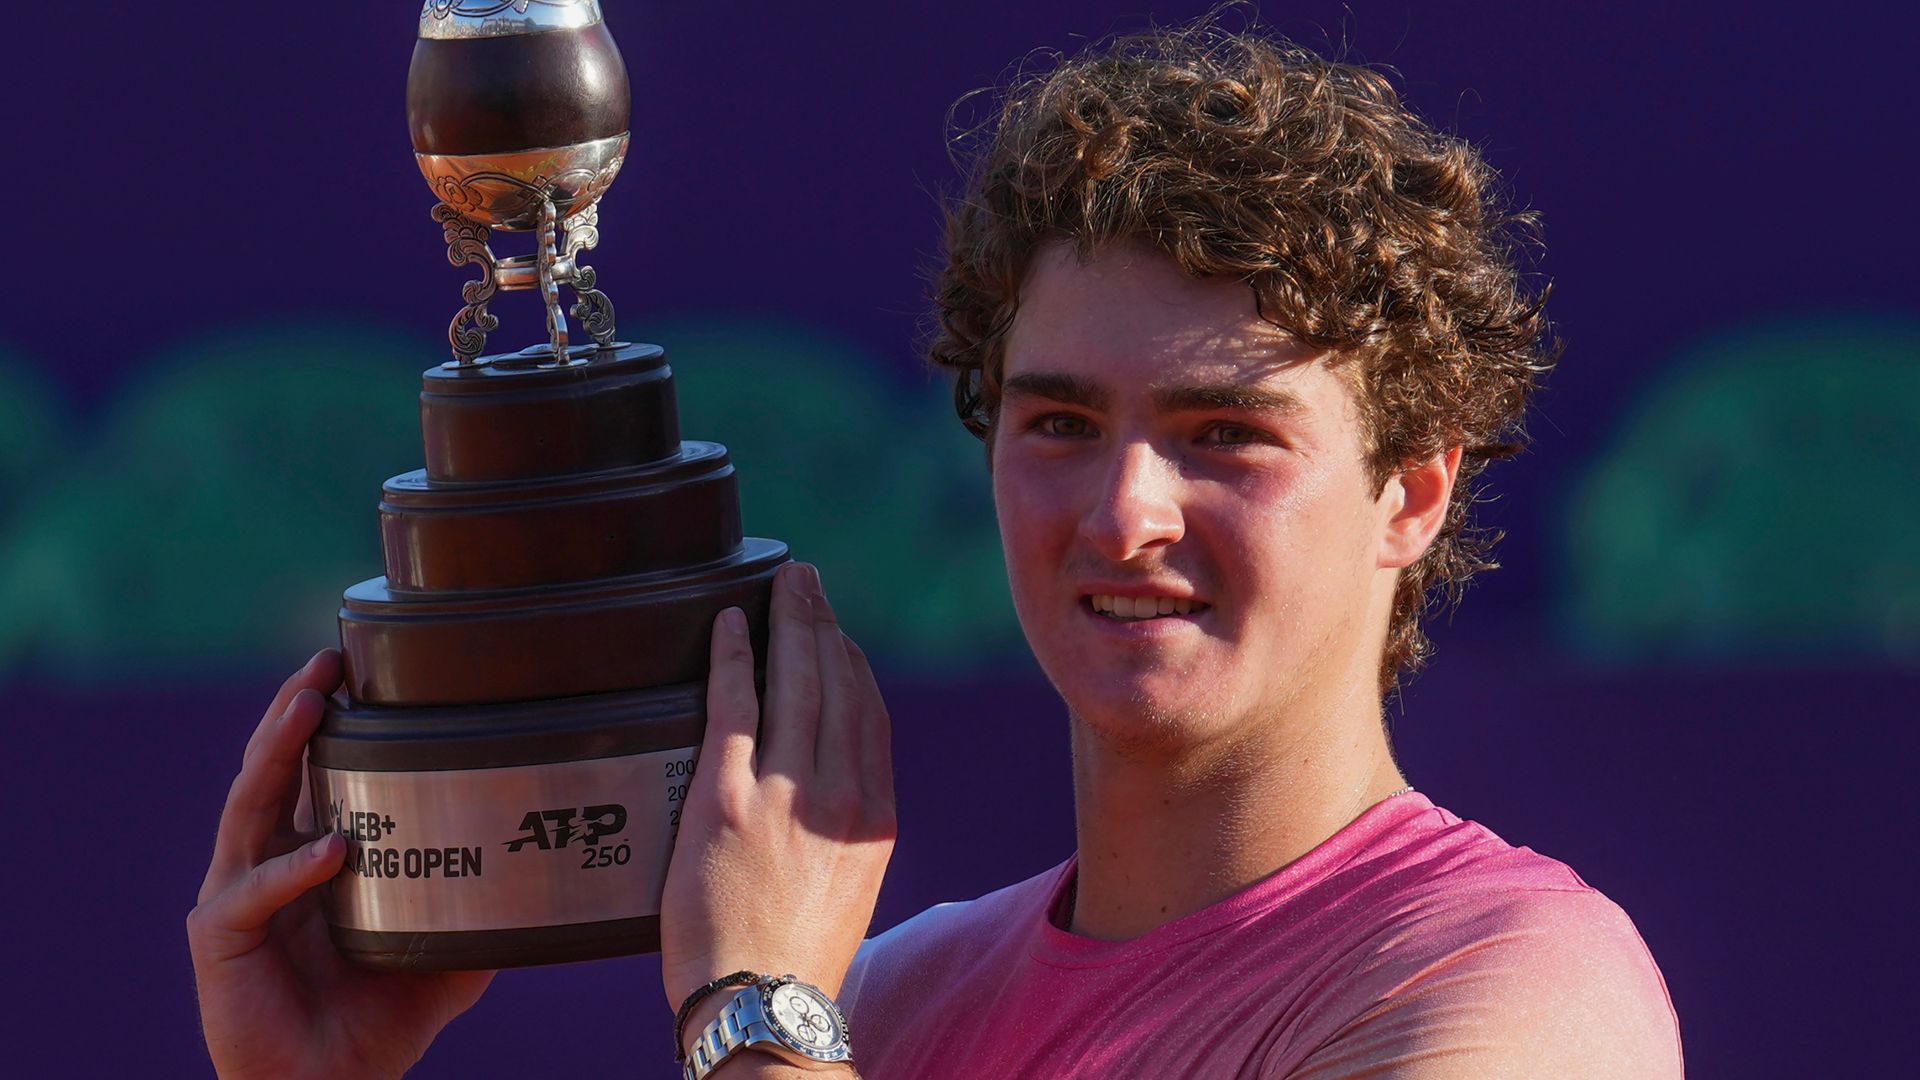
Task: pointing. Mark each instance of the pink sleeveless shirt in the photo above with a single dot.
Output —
(1410, 943)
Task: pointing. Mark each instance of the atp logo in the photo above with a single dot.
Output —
(551, 830)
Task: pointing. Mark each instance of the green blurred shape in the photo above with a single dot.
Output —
(869, 477)
(31, 431)
(227, 499)
(1757, 503)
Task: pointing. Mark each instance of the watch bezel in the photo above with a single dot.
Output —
(841, 1049)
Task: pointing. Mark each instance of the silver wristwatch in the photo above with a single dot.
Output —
(792, 1020)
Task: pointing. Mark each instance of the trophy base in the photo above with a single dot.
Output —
(479, 837)
(486, 950)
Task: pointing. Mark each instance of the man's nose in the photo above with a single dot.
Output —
(1137, 507)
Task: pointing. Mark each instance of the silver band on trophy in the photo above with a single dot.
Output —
(500, 849)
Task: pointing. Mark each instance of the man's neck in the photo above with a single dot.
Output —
(1168, 831)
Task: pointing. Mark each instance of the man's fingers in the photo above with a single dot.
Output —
(321, 673)
(876, 734)
(303, 820)
(234, 920)
(733, 707)
(261, 794)
(837, 750)
(792, 716)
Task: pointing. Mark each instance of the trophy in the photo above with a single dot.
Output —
(524, 689)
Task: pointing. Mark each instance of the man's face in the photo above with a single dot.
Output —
(1160, 444)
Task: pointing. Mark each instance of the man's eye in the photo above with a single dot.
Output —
(1235, 435)
(1066, 427)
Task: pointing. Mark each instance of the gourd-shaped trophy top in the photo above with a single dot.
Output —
(520, 113)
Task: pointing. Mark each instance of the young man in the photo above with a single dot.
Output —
(1238, 331)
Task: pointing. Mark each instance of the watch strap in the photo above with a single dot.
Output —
(741, 1023)
(744, 1023)
(738, 978)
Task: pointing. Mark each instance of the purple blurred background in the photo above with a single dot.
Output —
(1692, 680)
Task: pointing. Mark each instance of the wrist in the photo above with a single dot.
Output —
(791, 1027)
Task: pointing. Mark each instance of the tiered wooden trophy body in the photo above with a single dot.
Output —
(524, 694)
(525, 687)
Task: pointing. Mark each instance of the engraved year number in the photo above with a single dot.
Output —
(676, 793)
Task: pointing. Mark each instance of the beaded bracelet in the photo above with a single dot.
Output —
(738, 978)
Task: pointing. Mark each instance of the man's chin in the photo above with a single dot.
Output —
(1142, 720)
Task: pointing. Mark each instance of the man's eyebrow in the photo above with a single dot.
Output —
(1057, 386)
(1245, 398)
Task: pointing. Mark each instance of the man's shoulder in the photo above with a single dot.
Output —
(1527, 924)
(1477, 942)
(1457, 883)
(1446, 852)
(1528, 981)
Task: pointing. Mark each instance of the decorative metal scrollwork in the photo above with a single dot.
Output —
(480, 9)
(554, 262)
(498, 18)
(467, 243)
(547, 258)
(590, 305)
(505, 189)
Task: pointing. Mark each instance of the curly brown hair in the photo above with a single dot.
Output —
(1361, 230)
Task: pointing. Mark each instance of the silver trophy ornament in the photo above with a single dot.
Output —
(520, 113)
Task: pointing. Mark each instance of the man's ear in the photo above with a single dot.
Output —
(1415, 506)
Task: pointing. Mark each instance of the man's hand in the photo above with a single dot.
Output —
(276, 999)
(790, 820)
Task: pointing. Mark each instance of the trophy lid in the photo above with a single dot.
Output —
(444, 20)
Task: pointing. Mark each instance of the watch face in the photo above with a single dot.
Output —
(807, 1019)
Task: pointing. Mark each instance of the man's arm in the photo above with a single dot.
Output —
(789, 819)
(1558, 985)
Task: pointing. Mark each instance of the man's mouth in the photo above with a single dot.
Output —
(1144, 607)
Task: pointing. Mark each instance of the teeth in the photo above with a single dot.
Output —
(1143, 607)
